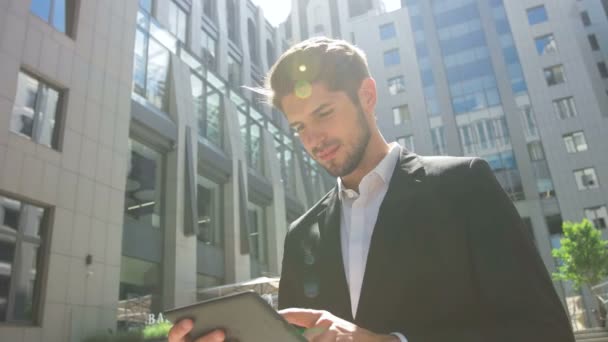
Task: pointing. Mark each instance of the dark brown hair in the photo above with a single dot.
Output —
(337, 63)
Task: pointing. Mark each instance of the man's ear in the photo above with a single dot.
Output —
(368, 95)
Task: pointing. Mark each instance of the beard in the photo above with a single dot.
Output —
(355, 151)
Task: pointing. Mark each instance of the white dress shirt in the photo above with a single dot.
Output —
(359, 212)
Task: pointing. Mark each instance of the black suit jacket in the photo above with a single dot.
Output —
(449, 260)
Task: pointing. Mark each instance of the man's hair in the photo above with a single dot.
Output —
(338, 64)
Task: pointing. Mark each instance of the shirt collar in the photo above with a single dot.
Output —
(384, 169)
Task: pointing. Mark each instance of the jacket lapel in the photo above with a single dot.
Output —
(392, 238)
(335, 293)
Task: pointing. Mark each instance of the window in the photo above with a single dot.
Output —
(438, 140)
(210, 9)
(209, 198)
(178, 21)
(598, 216)
(565, 107)
(209, 50)
(234, 72)
(391, 57)
(253, 42)
(387, 31)
(233, 21)
(585, 18)
(537, 15)
(529, 121)
(401, 114)
(586, 179)
(36, 112)
(554, 75)
(251, 137)
(258, 240)
(601, 66)
(396, 85)
(269, 53)
(208, 107)
(545, 44)
(535, 149)
(359, 7)
(23, 231)
(593, 42)
(58, 13)
(575, 142)
(407, 142)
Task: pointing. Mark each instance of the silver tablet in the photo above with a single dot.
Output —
(245, 317)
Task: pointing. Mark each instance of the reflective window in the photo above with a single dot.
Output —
(23, 230)
(208, 106)
(536, 151)
(586, 179)
(233, 21)
(234, 72)
(58, 13)
(565, 107)
(601, 66)
(36, 111)
(387, 31)
(598, 216)
(407, 142)
(396, 85)
(251, 136)
(537, 15)
(545, 44)
(209, 50)
(209, 211)
(252, 36)
(401, 115)
(392, 57)
(151, 69)
(575, 142)
(178, 21)
(593, 42)
(585, 18)
(438, 140)
(140, 290)
(258, 236)
(210, 9)
(554, 75)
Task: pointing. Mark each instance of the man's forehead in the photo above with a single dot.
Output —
(296, 103)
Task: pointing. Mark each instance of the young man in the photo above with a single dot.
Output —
(405, 247)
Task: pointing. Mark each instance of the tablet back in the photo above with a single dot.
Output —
(245, 317)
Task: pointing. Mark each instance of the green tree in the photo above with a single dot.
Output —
(583, 254)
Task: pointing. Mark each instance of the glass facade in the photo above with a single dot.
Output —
(140, 292)
(23, 232)
(537, 15)
(209, 109)
(178, 21)
(58, 13)
(151, 61)
(258, 244)
(387, 31)
(36, 111)
(209, 209)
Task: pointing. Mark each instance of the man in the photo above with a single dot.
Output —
(405, 247)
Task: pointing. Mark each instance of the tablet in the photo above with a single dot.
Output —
(245, 317)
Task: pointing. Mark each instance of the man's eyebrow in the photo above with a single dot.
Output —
(316, 111)
(320, 108)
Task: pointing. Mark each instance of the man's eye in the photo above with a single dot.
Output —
(325, 113)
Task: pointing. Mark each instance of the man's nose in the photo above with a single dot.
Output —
(313, 137)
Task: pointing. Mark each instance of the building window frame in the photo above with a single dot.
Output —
(21, 234)
(401, 115)
(586, 179)
(565, 107)
(537, 15)
(545, 44)
(575, 142)
(392, 57)
(179, 27)
(69, 9)
(598, 216)
(554, 75)
(40, 118)
(407, 141)
(387, 31)
(396, 85)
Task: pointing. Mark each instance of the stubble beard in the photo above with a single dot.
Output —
(353, 158)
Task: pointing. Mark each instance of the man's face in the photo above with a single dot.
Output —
(332, 128)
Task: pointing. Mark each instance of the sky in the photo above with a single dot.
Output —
(277, 11)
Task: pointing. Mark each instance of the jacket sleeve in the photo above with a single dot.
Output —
(289, 281)
(517, 299)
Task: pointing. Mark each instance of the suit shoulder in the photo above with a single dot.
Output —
(445, 166)
(310, 216)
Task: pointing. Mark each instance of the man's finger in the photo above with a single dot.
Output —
(306, 318)
(179, 331)
(327, 336)
(214, 336)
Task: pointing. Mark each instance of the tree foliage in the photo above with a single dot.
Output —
(583, 254)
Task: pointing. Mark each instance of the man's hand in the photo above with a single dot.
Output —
(322, 326)
(180, 332)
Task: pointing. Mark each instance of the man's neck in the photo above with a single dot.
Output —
(376, 150)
